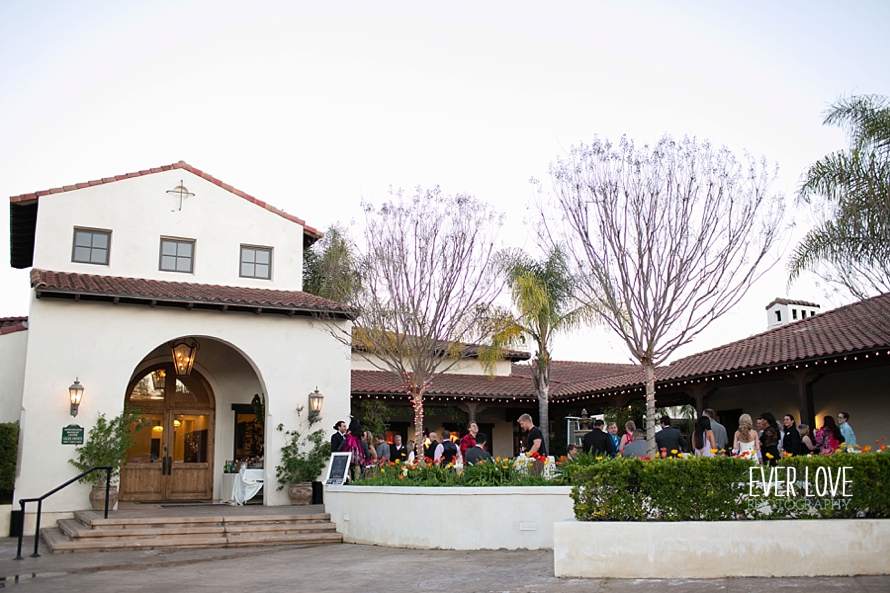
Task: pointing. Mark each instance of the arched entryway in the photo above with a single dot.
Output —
(173, 455)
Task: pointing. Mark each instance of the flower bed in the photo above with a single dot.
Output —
(501, 472)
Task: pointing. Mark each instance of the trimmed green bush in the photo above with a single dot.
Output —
(720, 488)
(9, 444)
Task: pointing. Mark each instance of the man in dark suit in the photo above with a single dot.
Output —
(669, 439)
(398, 451)
(477, 453)
(598, 442)
(338, 436)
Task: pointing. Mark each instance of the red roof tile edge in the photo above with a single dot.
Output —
(180, 165)
(9, 325)
(74, 283)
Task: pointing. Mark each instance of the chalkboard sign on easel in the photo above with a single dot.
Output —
(338, 470)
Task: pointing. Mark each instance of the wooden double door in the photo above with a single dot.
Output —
(173, 455)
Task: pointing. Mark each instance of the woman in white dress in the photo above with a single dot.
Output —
(745, 443)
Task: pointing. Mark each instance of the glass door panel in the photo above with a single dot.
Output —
(190, 438)
(149, 439)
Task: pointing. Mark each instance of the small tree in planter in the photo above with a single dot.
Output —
(302, 461)
(107, 445)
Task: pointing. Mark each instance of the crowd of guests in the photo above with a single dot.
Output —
(369, 450)
(765, 443)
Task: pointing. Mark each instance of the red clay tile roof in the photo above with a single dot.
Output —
(308, 230)
(187, 294)
(9, 325)
(564, 377)
(782, 301)
(860, 327)
(383, 383)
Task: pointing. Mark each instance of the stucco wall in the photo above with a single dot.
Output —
(12, 369)
(138, 212)
(449, 518)
(103, 344)
(669, 550)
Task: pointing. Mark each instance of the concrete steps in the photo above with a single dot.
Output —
(87, 533)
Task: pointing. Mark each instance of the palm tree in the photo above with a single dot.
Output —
(543, 296)
(331, 267)
(851, 245)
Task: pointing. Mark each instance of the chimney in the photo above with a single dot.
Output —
(782, 311)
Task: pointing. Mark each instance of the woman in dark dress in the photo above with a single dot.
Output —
(769, 437)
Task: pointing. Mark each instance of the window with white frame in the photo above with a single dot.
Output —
(91, 246)
(256, 262)
(177, 255)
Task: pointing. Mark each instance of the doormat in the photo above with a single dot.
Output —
(192, 505)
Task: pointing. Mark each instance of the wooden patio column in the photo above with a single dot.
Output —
(803, 380)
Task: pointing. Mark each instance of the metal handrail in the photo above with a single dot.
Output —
(39, 501)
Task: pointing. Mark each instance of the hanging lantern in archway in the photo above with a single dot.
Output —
(184, 352)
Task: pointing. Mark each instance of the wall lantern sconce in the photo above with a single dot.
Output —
(181, 191)
(315, 401)
(184, 352)
(75, 393)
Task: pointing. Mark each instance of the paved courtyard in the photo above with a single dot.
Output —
(353, 569)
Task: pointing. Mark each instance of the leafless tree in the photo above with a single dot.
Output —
(667, 238)
(427, 287)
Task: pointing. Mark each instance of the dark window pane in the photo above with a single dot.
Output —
(98, 256)
(168, 248)
(100, 240)
(82, 239)
(168, 263)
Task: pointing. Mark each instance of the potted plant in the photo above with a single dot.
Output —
(302, 461)
(107, 444)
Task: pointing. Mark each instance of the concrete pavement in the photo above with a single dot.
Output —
(352, 569)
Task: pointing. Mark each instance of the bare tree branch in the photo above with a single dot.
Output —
(427, 287)
(666, 238)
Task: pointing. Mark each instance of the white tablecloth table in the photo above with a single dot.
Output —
(244, 485)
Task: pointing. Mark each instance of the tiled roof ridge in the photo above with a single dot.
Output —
(784, 301)
(64, 280)
(10, 325)
(178, 165)
(822, 317)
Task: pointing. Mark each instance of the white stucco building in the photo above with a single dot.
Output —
(121, 268)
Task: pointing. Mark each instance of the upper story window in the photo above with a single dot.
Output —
(91, 247)
(256, 262)
(177, 255)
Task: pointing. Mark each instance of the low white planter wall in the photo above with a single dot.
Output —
(833, 547)
(449, 518)
(5, 519)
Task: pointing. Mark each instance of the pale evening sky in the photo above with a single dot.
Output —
(312, 106)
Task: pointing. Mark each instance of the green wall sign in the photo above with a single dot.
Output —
(72, 435)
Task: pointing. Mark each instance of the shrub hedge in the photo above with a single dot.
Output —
(720, 488)
(9, 442)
